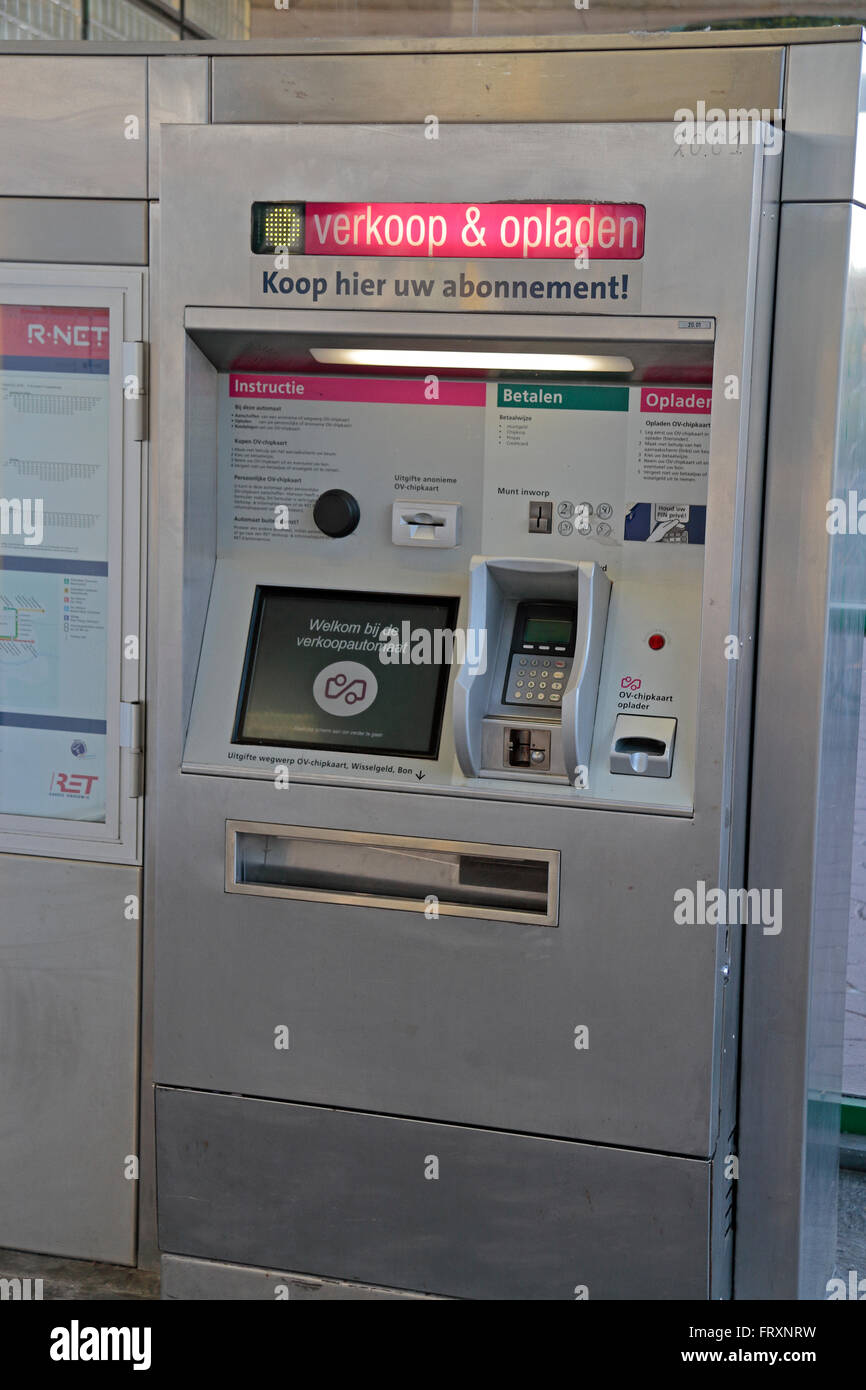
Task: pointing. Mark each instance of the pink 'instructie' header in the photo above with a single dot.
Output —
(383, 391)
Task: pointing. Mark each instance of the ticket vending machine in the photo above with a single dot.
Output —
(451, 545)
(451, 478)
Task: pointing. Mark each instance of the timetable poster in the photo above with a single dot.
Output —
(54, 462)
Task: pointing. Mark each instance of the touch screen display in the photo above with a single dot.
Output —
(346, 671)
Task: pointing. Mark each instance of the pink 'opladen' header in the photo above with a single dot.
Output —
(526, 231)
(670, 401)
(382, 391)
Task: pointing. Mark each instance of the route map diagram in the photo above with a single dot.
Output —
(19, 621)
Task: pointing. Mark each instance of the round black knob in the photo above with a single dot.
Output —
(336, 512)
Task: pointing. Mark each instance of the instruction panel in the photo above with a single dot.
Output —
(579, 471)
(570, 471)
(285, 440)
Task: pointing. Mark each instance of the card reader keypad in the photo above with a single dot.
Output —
(537, 678)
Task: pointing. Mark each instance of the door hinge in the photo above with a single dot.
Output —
(135, 388)
(132, 747)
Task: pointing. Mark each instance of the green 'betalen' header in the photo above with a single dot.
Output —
(558, 396)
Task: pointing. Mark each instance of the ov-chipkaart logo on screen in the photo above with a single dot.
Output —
(345, 688)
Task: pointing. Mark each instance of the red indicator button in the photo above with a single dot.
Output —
(656, 642)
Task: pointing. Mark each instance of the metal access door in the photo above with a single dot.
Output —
(71, 412)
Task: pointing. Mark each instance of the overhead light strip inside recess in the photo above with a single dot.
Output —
(501, 361)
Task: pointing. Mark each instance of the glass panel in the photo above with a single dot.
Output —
(224, 19)
(54, 462)
(293, 19)
(854, 1072)
(494, 18)
(40, 19)
(117, 19)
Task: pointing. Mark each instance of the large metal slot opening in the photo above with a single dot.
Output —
(509, 883)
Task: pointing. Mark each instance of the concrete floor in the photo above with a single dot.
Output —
(81, 1280)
